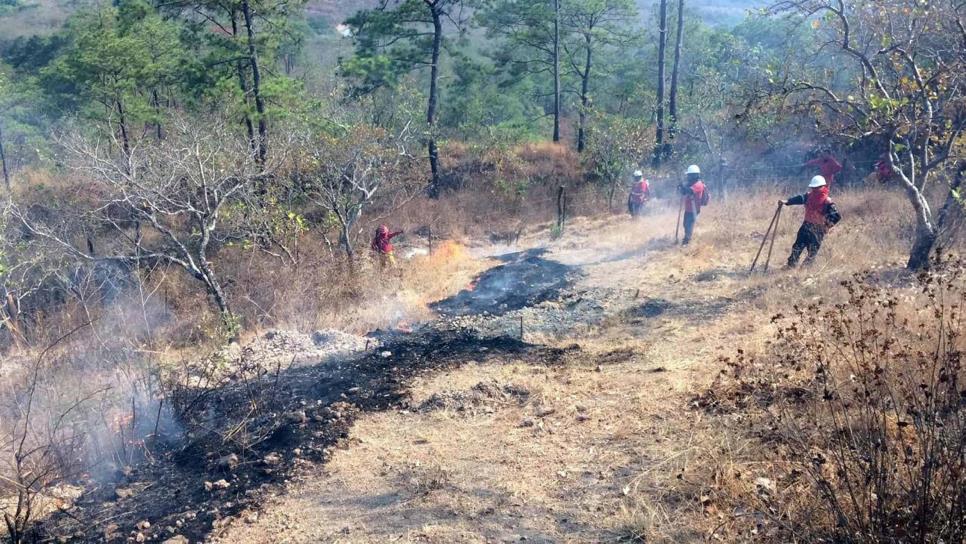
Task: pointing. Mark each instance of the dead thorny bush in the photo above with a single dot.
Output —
(864, 404)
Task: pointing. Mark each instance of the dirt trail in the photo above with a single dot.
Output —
(570, 452)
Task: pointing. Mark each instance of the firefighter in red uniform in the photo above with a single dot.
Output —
(820, 216)
(640, 194)
(695, 195)
(827, 166)
(382, 246)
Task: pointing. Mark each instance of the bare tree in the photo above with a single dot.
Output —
(172, 201)
(350, 169)
(43, 449)
(907, 62)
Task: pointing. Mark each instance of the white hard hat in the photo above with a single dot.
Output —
(693, 169)
(638, 174)
(817, 181)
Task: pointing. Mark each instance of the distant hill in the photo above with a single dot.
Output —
(717, 12)
(336, 11)
(28, 17)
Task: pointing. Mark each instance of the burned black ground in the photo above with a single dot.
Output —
(526, 279)
(254, 435)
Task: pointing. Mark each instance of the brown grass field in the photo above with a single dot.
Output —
(604, 448)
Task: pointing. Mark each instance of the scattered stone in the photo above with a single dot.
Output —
(544, 412)
(765, 485)
(123, 492)
(228, 462)
(321, 338)
(177, 539)
(385, 354)
(527, 422)
(297, 417)
(220, 484)
(483, 396)
(143, 525)
(272, 459)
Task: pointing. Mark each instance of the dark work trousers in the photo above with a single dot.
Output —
(634, 207)
(809, 237)
(689, 219)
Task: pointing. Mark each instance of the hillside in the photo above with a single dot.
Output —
(32, 17)
(481, 276)
(593, 426)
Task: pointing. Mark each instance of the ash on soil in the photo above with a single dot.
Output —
(246, 439)
(526, 279)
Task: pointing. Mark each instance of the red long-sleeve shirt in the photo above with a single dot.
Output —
(381, 242)
(827, 166)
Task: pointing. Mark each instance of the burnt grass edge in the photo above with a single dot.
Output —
(175, 479)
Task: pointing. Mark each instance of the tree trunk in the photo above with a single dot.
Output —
(215, 291)
(346, 242)
(925, 229)
(921, 248)
(556, 70)
(433, 101)
(661, 50)
(927, 242)
(584, 97)
(243, 83)
(3, 163)
(122, 122)
(256, 82)
(673, 99)
(156, 102)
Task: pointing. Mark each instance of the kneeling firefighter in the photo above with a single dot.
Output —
(820, 216)
(640, 194)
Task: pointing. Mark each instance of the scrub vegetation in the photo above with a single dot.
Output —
(200, 340)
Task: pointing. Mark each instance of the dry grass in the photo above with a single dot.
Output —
(320, 293)
(618, 455)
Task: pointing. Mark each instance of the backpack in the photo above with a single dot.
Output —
(832, 215)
